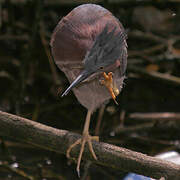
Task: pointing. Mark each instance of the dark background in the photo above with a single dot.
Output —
(30, 85)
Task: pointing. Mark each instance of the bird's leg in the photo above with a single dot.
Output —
(85, 138)
(108, 82)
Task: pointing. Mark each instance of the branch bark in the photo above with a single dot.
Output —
(108, 155)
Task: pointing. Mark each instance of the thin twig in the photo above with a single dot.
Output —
(170, 79)
(146, 35)
(22, 37)
(146, 51)
(120, 129)
(48, 54)
(17, 171)
(155, 115)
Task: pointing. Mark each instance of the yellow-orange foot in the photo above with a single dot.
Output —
(108, 82)
(85, 138)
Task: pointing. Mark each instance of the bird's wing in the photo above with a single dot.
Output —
(123, 59)
(107, 48)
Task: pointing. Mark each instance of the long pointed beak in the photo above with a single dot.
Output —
(84, 75)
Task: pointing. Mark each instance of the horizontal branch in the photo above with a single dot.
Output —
(155, 115)
(108, 155)
(167, 78)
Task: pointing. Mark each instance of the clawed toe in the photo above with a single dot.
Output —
(108, 82)
(85, 138)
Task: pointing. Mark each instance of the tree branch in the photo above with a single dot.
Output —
(108, 155)
(167, 78)
(155, 116)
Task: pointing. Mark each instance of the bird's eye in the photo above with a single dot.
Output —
(101, 67)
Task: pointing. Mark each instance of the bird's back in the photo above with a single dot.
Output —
(76, 32)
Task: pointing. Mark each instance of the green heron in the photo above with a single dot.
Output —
(89, 46)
